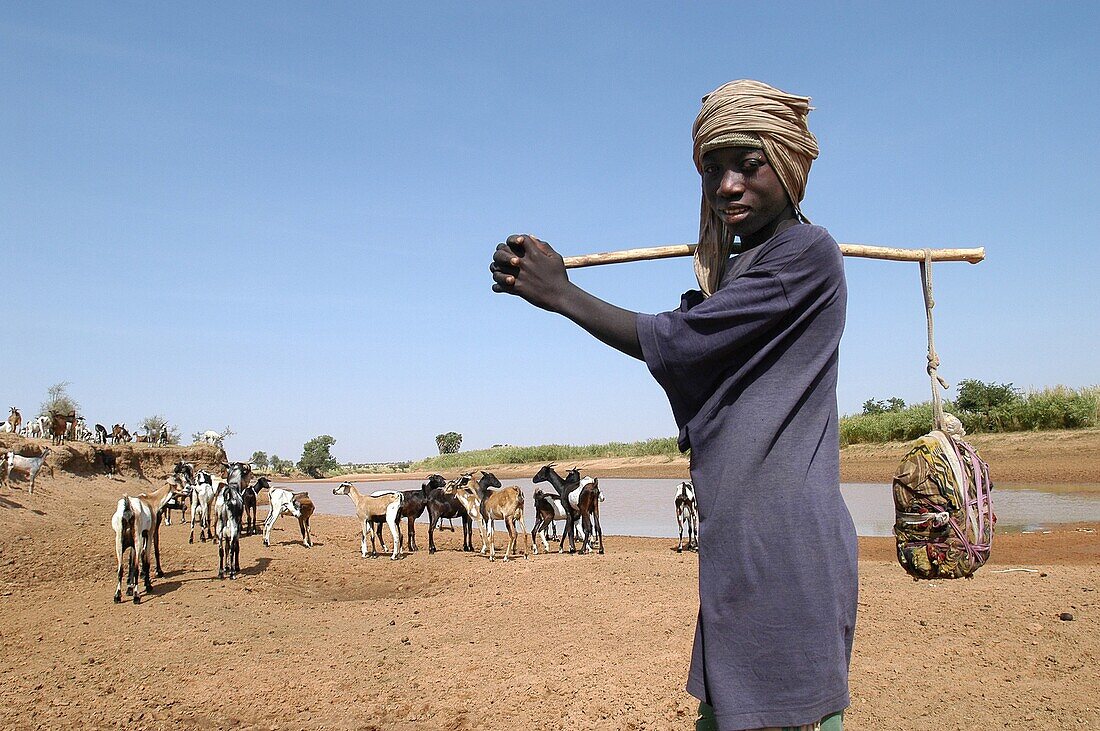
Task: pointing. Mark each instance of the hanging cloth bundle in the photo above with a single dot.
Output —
(942, 504)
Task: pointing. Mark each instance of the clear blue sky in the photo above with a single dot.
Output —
(279, 216)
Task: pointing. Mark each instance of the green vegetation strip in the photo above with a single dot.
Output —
(665, 447)
(1058, 407)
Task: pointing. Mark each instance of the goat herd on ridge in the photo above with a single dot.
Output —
(224, 508)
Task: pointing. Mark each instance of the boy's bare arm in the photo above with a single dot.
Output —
(531, 269)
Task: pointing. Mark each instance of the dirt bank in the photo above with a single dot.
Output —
(323, 639)
(1047, 457)
(144, 461)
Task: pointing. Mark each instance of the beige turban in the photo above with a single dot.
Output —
(747, 113)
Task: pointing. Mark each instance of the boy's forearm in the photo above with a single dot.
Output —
(606, 322)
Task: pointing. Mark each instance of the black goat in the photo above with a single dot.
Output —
(563, 487)
(185, 471)
(441, 505)
(248, 495)
(110, 464)
(580, 502)
(548, 510)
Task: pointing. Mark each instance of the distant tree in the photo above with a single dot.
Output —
(448, 443)
(979, 397)
(58, 400)
(281, 466)
(153, 424)
(878, 406)
(259, 460)
(316, 458)
(873, 406)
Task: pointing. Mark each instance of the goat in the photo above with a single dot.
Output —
(59, 426)
(185, 471)
(14, 420)
(135, 524)
(442, 504)
(119, 434)
(228, 509)
(580, 501)
(687, 512)
(37, 427)
(305, 511)
(212, 437)
(204, 489)
(282, 501)
(548, 510)
(109, 461)
(27, 465)
(504, 503)
(250, 526)
(100, 434)
(178, 502)
(180, 490)
(568, 490)
(385, 503)
(588, 505)
(81, 431)
(412, 507)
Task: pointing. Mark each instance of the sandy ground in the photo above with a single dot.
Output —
(1048, 457)
(324, 639)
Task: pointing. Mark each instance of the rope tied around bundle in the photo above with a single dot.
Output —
(933, 359)
(942, 504)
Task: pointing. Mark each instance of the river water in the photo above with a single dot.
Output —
(645, 507)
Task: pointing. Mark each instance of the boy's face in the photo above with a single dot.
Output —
(743, 189)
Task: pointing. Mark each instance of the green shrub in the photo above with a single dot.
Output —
(1000, 409)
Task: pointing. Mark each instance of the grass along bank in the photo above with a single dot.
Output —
(543, 453)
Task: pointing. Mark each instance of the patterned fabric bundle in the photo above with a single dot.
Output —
(943, 509)
(747, 113)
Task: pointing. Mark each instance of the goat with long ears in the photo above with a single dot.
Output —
(383, 503)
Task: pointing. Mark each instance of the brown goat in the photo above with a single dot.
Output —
(505, 503)
(59, 425)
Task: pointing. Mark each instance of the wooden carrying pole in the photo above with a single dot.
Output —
(861, 250)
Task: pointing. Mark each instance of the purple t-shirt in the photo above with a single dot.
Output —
(751, 375)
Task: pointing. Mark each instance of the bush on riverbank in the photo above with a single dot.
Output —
(1058, 407)
(547, 453)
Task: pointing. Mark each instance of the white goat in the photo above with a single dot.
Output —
(283, 501)
(212, 437)
(36, 427)
(134, 522)
(687, 513)
(204, 490)
(27, 465)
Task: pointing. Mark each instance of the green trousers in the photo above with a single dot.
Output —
(707, 722)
